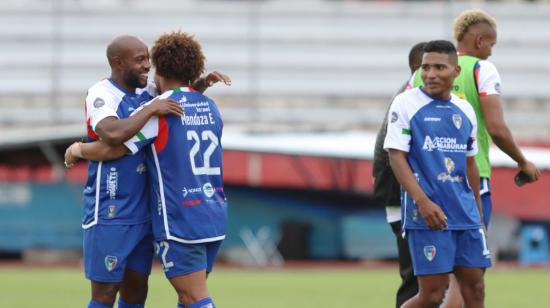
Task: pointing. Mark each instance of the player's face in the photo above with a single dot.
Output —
(136, 66)
(439, 70)
(486, 42)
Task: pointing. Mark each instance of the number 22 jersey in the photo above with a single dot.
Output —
(184, 159)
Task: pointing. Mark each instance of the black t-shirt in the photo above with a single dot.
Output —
(386, 188)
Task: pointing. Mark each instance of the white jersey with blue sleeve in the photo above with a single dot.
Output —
(184, 157)
(115, 191)
(438, 136)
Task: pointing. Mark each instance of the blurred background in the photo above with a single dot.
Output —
(312, 80)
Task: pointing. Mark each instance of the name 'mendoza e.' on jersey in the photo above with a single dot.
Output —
(184, 158)
(438, 136)
(115, 191)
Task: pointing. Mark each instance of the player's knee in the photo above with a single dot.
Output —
(475, 292)
(105, 293)
(192, 294)
(433, 298)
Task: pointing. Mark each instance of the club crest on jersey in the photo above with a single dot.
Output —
(449, 164)
(99, 103)
(429, 252)
(110, 262)
(457, 120)
(208, 190)
(394, 117)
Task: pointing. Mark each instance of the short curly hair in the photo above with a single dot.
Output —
(469, 18)
(178, 56)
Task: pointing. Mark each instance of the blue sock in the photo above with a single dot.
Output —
(181, 305)
(94, 304)
(203, 303)
(122, 304)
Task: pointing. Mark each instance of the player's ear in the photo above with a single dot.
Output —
(478, 40)
(457, 70)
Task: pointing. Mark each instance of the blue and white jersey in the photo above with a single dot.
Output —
(115, 192)
(438, 136)
(184, 158)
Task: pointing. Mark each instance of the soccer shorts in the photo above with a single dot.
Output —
(438, 252)
(111, 249)
(180, 259)
(486, 203)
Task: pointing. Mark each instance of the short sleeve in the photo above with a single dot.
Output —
(487, 78)
(100, 105)
(145, 136)
(398, 134)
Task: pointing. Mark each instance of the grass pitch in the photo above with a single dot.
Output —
(22, 287)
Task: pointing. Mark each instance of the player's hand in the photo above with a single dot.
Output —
(70, 154)
(215, 77)
(432, 214)
(531, 170)
(162, 106)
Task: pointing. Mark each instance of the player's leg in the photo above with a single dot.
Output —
(409, 283)
(134, 287)
(453, 297)
(432, 255)
(185, 266)
(472, 286)
(473, 257)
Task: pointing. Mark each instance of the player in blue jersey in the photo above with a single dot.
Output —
(431, 139)
(118, 210)
(184, 159)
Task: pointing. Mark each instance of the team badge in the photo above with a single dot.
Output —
(111, 209)
(449, 164)
(394, 117)
(208, 190)
(457, 120)
(429, 252)
(99, 102)
(497, 87)
(110, 262)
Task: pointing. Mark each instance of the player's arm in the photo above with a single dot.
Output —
(97, 150)
(491, 107)
(203, 83)
(114, 131)
(431, 212)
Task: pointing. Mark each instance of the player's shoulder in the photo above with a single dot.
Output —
(487, 66)
(463, 105)
(104, 89)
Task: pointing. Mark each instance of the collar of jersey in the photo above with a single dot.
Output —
(435, 99)
(183, 89)
(121, 88)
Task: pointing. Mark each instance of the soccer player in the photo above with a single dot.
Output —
(116, 217)
(184, 159)
(431, 139)
(480, 84)
(387, 190)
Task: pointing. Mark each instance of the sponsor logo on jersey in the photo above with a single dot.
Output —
(394, 117)
(194, 190)
(429, 252)
(141, 168)
(431, 119)
(110, 262)
(111, 210)
(98, 103)
(447, 176)
(112, 183)
(443, 144)
(208, 190)
(457, 120)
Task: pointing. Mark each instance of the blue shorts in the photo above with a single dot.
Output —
(180, 259)
(111, 249)
(438, 252)
(486, 203)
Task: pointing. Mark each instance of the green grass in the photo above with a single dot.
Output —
(231, 288)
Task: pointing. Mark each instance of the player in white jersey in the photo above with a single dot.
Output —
(432, 140)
